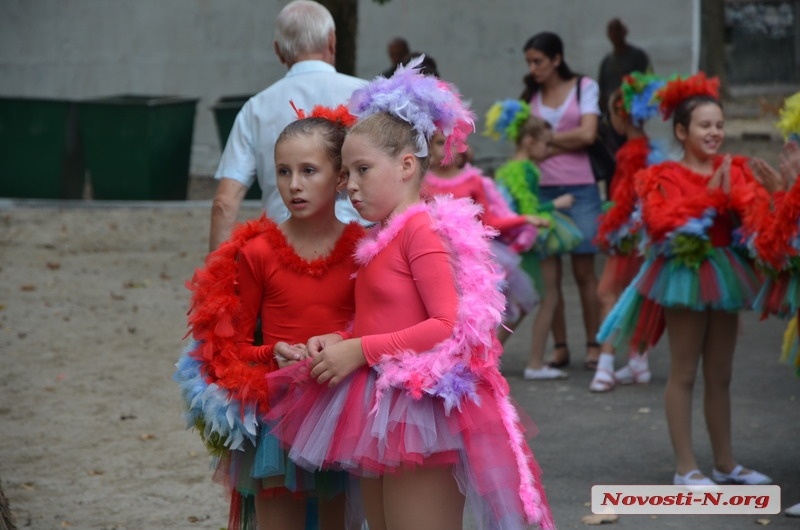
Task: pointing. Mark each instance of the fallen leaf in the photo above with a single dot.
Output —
(115, 296)
(192, 519)
(600, 518)
(763, 522)
(165, 276)
(2, 307)
(94, 472)
(147, 436)
(193, 453)
(64, 523)
(27, 287)
(644, 410)
(52, 265)
(28, 486)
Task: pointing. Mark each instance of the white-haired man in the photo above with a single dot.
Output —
(305, 41)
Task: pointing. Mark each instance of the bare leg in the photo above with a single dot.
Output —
(585, 277)
(686, 331)
(718, 351)
(423, 499)
(332, 513)
(372, 495)
(544, 315)
(606, 297)
(506, 329)
(280, 513)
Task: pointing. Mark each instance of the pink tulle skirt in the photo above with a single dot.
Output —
(348, 428)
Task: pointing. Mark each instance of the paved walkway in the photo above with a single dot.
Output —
(621, 437)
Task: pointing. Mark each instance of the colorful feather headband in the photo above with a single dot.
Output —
(789, 122)
(504, 119)
(638, 96)
(427, 103)
(678, 89)
(338, 115)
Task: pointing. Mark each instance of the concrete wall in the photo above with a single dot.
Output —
(211, 48)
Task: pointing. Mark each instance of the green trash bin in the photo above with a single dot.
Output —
(138, 147)
(225, 111)
(40, 152)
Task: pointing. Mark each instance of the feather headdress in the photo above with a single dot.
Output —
(679, 88)
(789, 122)
(638, 96)
(504, 119)
(427, 103)
(339, 115)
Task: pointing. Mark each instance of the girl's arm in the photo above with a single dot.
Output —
(251, 293)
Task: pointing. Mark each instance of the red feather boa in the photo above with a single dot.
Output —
(631, 158)
(672, 194)
(773, 241)
(215, 310)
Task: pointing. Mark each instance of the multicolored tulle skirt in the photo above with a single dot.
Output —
(347, 427)
(725, 281)
(618, 272)
(560, 237)
(266, 471)
(779, 295)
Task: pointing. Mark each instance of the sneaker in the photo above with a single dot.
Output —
(692, 478)
(740, 475)
(545, 373)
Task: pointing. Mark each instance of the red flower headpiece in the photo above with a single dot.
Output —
(677, 89)
(339, 115)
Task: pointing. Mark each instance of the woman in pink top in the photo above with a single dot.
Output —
(553, 96)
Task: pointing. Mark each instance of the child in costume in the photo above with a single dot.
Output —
(411, 398)
(296, 279)
(511, 119)
(690, 209)
(516, 232)
(618, 234)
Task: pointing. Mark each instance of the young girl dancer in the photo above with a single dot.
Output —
(520, 177)
(412, 399)
(618, 234)
(515, 232)
(296, 279)
(689, 211)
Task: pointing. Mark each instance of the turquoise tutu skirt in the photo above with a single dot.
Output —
(724, 281)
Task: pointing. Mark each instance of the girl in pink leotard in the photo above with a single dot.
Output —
(411, 398)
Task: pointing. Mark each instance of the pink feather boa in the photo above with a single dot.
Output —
(452, 369)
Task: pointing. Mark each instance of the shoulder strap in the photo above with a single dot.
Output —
(578, 89)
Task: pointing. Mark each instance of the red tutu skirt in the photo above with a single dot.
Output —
(346, 427)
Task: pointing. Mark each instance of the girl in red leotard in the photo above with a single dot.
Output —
(296, 280)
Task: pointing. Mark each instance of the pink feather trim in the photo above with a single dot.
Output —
(473, 344)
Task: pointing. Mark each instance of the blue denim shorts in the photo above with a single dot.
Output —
(584, 213)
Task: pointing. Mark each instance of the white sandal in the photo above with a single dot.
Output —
(603, 381)
(689, 480)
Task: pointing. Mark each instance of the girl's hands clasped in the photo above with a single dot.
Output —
(288, 354)
(722, 176)
(334, 358)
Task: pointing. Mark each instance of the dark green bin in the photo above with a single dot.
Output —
(40, 151)
(138, 147)
(225, 111)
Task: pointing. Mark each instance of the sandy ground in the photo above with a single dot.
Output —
(92, 313)
(91, 321)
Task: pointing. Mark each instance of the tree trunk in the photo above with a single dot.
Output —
(345, 14)
(712, 41)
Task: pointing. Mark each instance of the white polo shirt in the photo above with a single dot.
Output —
(250, 151)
